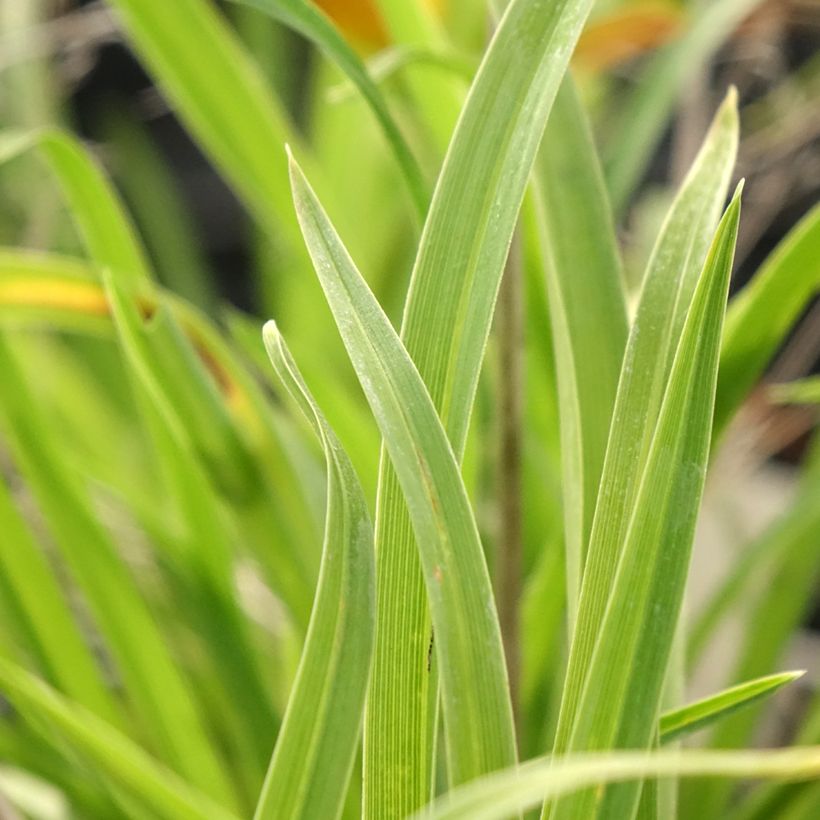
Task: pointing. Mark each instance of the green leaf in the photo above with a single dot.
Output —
(621, 696)
(158, 366)
(156, 201)
(317, 744)
(502, 795)
(669, 283)
(760, 317)
(587, 310)
(447, 318)
(436, 97)
(222, 99)
(695, 716)
(29, 581)
(311, 23)
(477, 712)
(154, 685)
(92, 201)
(222, 409)
(114, 755)
(643, 116)
(804, 391)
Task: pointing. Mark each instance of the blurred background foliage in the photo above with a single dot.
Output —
(651, 73)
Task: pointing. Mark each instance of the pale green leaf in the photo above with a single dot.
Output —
(93, 203)
(705, 712)
(504, 794)
(447, 318)
(314, 754)
(669, 283)
(477, 712)
(620, 700)
(304, 17)
(113, 754)
(760, 317)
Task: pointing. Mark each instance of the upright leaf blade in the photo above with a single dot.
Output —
(446, 323)
(667, 293)
(621, 696)
(761, 315)
(477, 712)
(587, 309)
(317, 743)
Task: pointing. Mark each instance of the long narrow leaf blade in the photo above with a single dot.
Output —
(93, 203)
(317, 743)
(587, 309)
(113, 754)
(703, 713)
(447, 318)
(621, 696)
(309, 21)
(762, 314)
(153, 682)
(477, 712)
(667, 292)
(499, 796)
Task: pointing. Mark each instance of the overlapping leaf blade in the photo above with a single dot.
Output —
(309, 21)
(621, 696)
(317, 743)
(499, 796)
(667, 292)
(156, 789)
(446, 323)
(588, 312)
(93, 203)
(477, 712)
(154, 684)
(209, 543)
